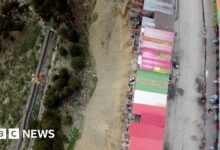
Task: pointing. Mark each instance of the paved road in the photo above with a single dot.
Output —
(210, 130)
(185, 114)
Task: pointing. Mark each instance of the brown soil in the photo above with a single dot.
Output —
(109, 38)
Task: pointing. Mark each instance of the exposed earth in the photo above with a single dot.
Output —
(109, 46)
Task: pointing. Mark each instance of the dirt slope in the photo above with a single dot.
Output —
(109, 38)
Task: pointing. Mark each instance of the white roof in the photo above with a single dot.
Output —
(149, 98)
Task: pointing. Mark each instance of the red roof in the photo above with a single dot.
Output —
(146, 131)
(139, 109)
(152, 119)
(149, 132)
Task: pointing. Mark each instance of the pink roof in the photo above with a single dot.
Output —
(148, 134)
(154, 56)
(155, 50)
(152, 119)
(137, 143)
(159, 34)
(143, 109)
(165, 48)
(155, 63)
(146, 131)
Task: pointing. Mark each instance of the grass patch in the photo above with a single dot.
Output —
(30, 41)
(74, 137)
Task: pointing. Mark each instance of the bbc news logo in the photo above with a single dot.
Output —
(14, 133)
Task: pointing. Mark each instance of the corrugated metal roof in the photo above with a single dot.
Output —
(155, 5)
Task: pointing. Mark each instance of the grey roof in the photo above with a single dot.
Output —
(156, 5)
(164, 21)
(146, 21)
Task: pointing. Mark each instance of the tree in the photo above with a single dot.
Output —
(64, 73)
(66, 92)
(55, 77)
(75, 84)
(78, 62)
(34, 124)
(73, 36)
(60, 83)
(50, 120)
(63, 51)
(76, 50)
(51, 101)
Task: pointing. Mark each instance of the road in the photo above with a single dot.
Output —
(109, 34)
(189, 127)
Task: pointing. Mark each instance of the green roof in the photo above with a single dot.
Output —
(152, 82)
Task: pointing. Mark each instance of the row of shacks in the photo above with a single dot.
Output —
(152, 26)
(216, 24)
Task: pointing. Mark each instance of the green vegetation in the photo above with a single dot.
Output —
(29, 42)
(75, 136)
(50, 120)
(63, 51)
(78, 62)
(69, 18)
(10, 16)
(76, 50)
(18, 60)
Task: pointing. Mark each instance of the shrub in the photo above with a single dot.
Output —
(63, 51)
(5, 34)
(34, 124)
(51, 101)
(42, 144)
(55, 77)
(2, 74)
(67, 120)
(75, 84)
(64, 73)
(50, 120)
(8, 6)
(78, 62)
(76, 50)
(73, 36)
(66, 92)
(74, 137)
(60, 83)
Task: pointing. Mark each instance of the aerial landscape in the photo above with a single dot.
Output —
(109, 74)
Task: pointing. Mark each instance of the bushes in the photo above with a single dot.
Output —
(75, 84)
(34, 124)
(63, 51)
(50, 120)
(70, 34)
(60, 83)
(51, 101)
(66, 91)
(10, 20)
(63, 86)
(64, 73)
(73, 36)
(76, 50)
(78, 62)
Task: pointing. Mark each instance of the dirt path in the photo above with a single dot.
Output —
(108, 37)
